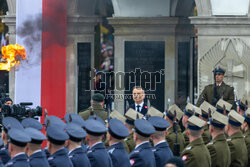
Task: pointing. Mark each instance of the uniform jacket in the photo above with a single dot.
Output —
(142, 156)
(196, 154)
(238, 150)
(98, 156)
(4, 155)
(162, 154)
(18, 161)
(171, 138)
(206, 136)
(144, 109)
(60, 159)
(224, 90)
(98, 110)
(38, 159)
(79, 158)
(130, 142)
(118, 155)
(219, 151)
(247, 141)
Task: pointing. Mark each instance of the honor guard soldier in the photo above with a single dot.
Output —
(37, 158)
(218, 148)
(32, 123)
(96, 152)
(242, 105)
(213, 92)
(174, 134)
(161, 149)
(188, 112)
(236, 140)
(247, 133)
(56, 140)
(76, 153)
(117, 131)
(196, 152)
(223, 107)
(142, 155)
(17, 144)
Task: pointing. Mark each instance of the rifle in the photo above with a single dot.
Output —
(176, 144)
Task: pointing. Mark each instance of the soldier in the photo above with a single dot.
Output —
(58, 154)
(76, 153)
(97, 104)
(37, 157)
(142, 155)
(213, 92)
(235, 140)
(247, 133)
(117, 131)
(161, 149)
(174, 113)
(96, 152)
(188, 112)
(223, 107)
(196, 152)
(218, 148)
(242, 105)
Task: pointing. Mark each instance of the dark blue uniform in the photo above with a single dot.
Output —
(98, 156)
(118, 155)
(79, 158)
(162, 153)
(144, 109)
(4, 155)
(20, 160)
(60, 159)
(142, 156)
(38, 159)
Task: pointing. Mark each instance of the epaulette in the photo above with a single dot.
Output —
(229, 139)
(111, 150)
(188, 148)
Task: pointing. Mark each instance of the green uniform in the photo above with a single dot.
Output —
(98, 110)
(247, 140)
(171, 138)
(219, 151)
(238, 150)
(224, 90)
(196, 154)
(206, 136)
(185, 137)
(130, 142)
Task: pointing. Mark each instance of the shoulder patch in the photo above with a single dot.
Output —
(188, 148)
(111, 150)
(184, 158)
(132, 162)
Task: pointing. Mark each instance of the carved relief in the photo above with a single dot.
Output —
(233, 55)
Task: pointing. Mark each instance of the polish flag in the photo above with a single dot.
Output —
(41, 29)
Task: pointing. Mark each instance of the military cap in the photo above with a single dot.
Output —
(235, 118)
(132, 115)
(218, 70)
(247, 115)
(11, 122)
(218, 120)
(159, 123)
(243, 103)
(94, 127)
(56, 135)
(117, 129)
(206, 109)
(98, 97)
(189, 110)
(143, 127)
(154, 112)
(54, 121)
(96, 117)
(36, 136)
(195, 123)
(117, 115)
(75, 132)
(18, 137)
(31, 122)
(174, 111)
(74, 118)
(221, 105)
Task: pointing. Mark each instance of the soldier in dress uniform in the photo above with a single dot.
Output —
(37, 157)
(173, 114)
(196, 153)
(188, 112)
(96, 152)
(242, 105)
(247, 132)
(161, 149)
(223, 107)
(142, 155)
(235, 140)
(218, 148)
(117, 131)
(77, 154)
(213, 92)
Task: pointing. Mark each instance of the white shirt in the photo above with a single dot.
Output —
(141, 105)
(18, 154)
(95, 144)
(141, 144)
(74, 149)
(36, 151)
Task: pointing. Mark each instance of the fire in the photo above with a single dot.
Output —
(12, 54)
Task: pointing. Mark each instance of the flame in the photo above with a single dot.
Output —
(12, 54)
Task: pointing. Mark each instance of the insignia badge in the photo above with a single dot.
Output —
(132, 162)
(184, 158)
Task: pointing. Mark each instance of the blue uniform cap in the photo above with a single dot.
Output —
(75, 132)
(159, 123)
(11, 122)
(54, 121)
(18, 137)
(96, 117)
(117, 129)
(56, 135)
(74, 118)
(37, 137)
(31, 122)
(94, 127)
(143, 127)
